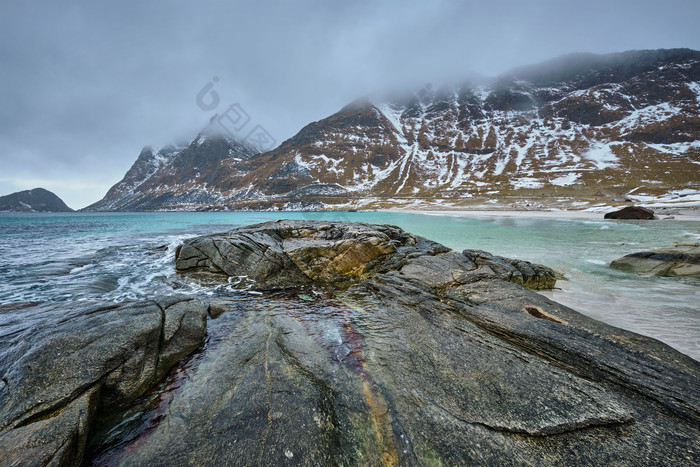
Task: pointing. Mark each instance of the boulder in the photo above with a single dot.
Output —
(64, 364)
(679, 260)
(631, 212)
(369, 345)
(290, 254)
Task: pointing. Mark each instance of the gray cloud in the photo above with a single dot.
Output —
(85, 85)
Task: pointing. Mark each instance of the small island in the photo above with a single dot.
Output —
(36, 200)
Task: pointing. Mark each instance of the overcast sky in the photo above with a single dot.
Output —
(85, 84)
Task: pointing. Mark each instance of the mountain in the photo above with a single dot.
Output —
(36, 200)
(179, 177)
(573, 132)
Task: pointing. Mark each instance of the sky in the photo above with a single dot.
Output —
(85, 85)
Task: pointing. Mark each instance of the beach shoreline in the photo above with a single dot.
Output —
(667, 215)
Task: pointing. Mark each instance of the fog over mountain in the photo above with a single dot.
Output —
(86, 85)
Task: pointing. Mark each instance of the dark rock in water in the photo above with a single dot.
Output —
(62, 365)
(157, 250)
(424, 356)
(36, 200)
(681, 260)
(631, 212)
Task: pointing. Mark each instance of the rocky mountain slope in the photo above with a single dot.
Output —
(178, 176)
(572, 132)
(36, 200)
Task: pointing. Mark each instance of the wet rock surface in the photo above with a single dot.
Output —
(64, 364)
(680, 260)
(298, 253)
(424, 356)
(357, 345)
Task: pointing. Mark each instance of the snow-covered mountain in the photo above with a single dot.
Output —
(572, 132)
(179, 177)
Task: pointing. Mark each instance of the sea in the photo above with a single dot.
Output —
(130, 256)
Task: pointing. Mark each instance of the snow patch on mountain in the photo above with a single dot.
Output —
(695, 87)
(566, 179)
(589, 134)
(601, 155)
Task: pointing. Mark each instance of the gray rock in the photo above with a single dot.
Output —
(424, 356)
(64, 364)
(680, 260)
(216, 308)
(290, 254)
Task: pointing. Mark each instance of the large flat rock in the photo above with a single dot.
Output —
(394, 350)
(363, 345)
(63, 364)
(296, 253)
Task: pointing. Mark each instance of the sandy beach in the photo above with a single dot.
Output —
(665, 215)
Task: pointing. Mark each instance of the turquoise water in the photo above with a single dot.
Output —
(121, 256)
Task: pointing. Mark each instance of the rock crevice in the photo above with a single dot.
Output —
(433, 356)
(62, 363)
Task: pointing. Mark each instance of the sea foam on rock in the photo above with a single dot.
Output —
(296, 253)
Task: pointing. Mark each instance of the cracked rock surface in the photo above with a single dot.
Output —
(363, 345)
(371, 346)
(63, 364)
(295, 253)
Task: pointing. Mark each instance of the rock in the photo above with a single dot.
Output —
(291, 254)
(409, 353)
(631, 212)
(65, 364)
(216, 308)
(529, 275)
(680, 260)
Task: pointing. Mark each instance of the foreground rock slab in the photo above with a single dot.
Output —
(372, 346)
(680, 260)
(64, 364)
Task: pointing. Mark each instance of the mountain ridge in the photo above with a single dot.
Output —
(569, 132)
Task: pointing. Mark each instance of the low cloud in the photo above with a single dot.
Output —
(86, 84)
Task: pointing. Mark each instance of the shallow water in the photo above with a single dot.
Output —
(122, 256)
